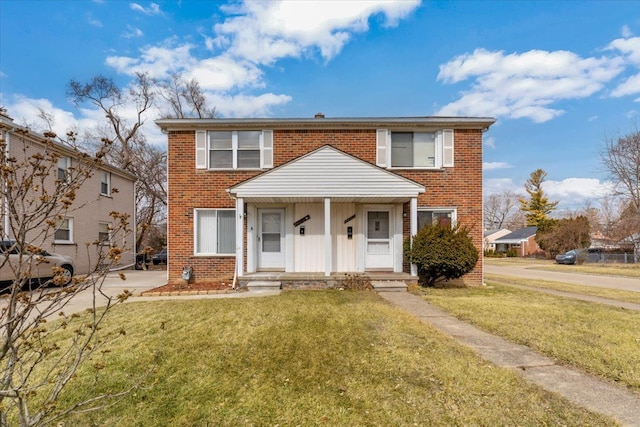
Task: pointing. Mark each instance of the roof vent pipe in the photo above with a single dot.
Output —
(319, 116)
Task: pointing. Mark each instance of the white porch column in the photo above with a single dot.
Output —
(239, 235)
(413, 219)
(327, 237)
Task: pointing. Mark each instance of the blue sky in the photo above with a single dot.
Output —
(559, 77)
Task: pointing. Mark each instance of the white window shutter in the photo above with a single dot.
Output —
(201, 149)
(447, 148)
(382, 137)
(266, 152)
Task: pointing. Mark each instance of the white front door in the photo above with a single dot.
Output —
(271, 239)
(378, 239)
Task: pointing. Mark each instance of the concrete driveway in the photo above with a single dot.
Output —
(136, 282)
(527, 272)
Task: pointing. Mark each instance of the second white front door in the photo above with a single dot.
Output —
(378, 239)
(271, 239)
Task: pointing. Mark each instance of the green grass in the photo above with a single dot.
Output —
(599, 339)
(615, 294)
(305, 358)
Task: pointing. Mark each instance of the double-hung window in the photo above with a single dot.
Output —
(64, 163)
(104, 233)
(215, 232)
(242, 149)
(436, 216)
(415, 150)
(64, 233)
(105, 184)
(234, 150)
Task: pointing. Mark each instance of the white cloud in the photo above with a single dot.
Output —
(572, 192)
(631, 114)
(223, 73)
(132, 32)
(524, 85)
(592, 118)
(626, 31)
(629, 47)
(264, 32)
(489, 142)
(153, 9)
(245, 105)
(93, 21)
(490, 166)
(500, 185)
(157, 61)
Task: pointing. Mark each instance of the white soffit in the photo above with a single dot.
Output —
(327, 172)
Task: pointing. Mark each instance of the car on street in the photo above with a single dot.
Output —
(42, 264)
(569, 257)
(160, 257)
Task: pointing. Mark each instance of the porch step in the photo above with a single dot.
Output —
(257, 286)
(388, 286)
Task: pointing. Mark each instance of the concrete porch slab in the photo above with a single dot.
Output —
(389, 286)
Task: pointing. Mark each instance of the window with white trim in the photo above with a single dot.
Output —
(414, 150)
(105, 183)
(64, 232)
(225, 150)
(64, 163)
(104, 233)
(436, 216)
(215, 231)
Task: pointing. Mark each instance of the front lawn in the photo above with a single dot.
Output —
(599, 339)
(305, 358)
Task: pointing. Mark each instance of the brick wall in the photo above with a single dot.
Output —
(459, 187)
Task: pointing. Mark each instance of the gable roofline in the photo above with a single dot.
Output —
(426, 123)
(518, 235)
(7, 125)
(233, 189)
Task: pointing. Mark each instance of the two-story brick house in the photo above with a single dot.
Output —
(88, 220)
(318, 196)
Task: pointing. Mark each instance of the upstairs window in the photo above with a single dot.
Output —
(416, 150)
(220, 150)
(413, 149)
(105, 184)
(64, 163)
(234, 150)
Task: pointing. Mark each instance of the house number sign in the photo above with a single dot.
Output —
(302, 220)
(351, 218)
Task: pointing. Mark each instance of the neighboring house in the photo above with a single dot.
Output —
(490, 237)
(88, 221)
(522, 240)
(318, 196)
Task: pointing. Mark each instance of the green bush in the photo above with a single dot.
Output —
(512, 253)
(441, 253)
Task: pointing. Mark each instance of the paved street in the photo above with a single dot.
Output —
(610, 282)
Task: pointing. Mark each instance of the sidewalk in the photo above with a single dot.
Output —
(582, 389)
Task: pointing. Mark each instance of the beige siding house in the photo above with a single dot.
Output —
(88, 220)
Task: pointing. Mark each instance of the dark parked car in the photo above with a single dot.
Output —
(569, 257)
(41, 269)
(160, 257)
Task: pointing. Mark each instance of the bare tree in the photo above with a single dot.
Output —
(35, 364)
(185, 98)
(502, 210)
(621, 158)
(125, 142)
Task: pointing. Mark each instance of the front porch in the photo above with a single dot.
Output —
(279, 280)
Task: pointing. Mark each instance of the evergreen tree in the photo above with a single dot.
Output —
(538, 207)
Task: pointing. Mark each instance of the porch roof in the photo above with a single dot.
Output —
(327, 173)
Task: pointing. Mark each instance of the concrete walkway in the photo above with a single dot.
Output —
(582, 389)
